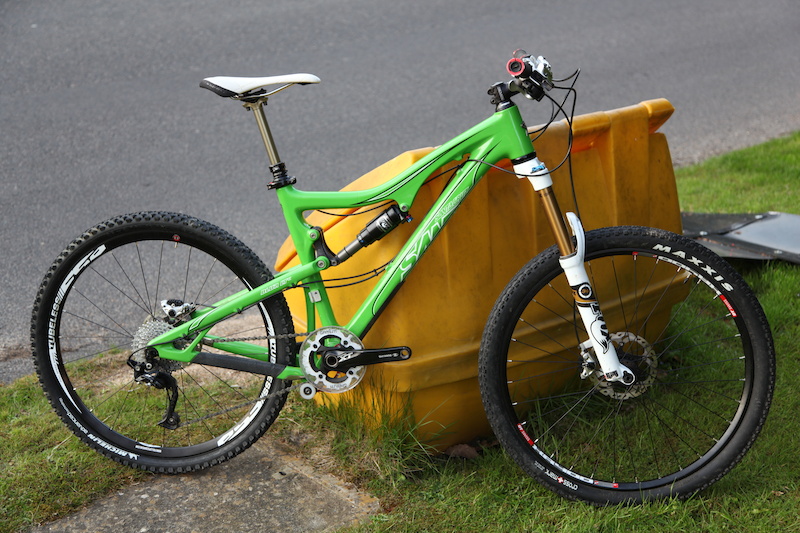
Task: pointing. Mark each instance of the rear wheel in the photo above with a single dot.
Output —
(686, 324)
(101, 303)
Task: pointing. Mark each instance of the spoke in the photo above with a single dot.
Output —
(123, 334)
(86, 356)
(562, 417)
(158, 276)
(636, 283)
(205, 280)
(656, 306)
(144, 279)
(118, 289)
(709, 363)
(103, 312)
(536, 376)
(549, 337)
(697, 430)
(554, 354)
(556, 397)
(186, 277)
(652, 442)
(145, 305)
(125, 387)
(711, 341)
(219, 291)
(669, 385)
(589, 266)
(553, 312)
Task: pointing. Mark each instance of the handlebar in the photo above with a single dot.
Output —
(532, 76)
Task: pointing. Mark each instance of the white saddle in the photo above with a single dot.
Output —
(229, 86)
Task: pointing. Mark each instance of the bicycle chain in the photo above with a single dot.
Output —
(263, 337)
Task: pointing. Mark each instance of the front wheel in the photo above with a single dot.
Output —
(687, 325)
(99, 306)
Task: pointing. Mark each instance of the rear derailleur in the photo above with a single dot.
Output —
(151, 375)
(148, 368)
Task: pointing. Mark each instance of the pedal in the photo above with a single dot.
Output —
(342, 360)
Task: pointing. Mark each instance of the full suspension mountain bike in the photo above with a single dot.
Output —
(620, 365)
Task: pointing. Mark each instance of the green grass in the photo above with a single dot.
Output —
(764, 178)
(46, 473)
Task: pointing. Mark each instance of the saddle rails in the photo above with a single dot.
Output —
(624, 176)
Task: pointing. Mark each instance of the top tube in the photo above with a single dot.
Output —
(504, 131)
(501, 136)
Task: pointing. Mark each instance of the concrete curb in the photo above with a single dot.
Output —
(265, 488)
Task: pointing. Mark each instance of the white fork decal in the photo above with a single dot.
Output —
(589, 309)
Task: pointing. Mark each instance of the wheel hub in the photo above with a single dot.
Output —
(638, 355)
(149, 330)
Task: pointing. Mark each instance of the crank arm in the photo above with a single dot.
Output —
(341, 360)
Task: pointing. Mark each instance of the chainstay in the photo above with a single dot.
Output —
(265, 397)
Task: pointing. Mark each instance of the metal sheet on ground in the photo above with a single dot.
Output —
(762, 236)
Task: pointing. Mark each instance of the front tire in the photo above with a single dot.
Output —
(681, 318)
(102, 298)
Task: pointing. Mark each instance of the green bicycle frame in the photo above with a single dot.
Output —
(501, 136)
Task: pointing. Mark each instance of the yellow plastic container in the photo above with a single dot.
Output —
(623, 175)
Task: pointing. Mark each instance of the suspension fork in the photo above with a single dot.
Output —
(572, 262)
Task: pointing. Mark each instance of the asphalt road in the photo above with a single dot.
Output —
(101, 113)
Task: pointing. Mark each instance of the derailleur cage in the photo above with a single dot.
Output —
(144, 373)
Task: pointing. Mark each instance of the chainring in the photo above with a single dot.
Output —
(310, 359)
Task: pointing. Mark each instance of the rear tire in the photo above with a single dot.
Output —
(681, 318)
(104, 291)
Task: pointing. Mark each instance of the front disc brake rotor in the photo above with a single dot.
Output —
(638, 355)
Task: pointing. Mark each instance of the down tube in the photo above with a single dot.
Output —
(441, 211)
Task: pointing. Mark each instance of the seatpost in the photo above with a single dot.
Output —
(279, 176)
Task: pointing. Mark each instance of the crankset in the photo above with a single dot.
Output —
(333, 358)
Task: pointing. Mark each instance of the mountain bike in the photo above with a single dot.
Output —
(620, 365)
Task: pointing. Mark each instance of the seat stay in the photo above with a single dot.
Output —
(239, 87)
